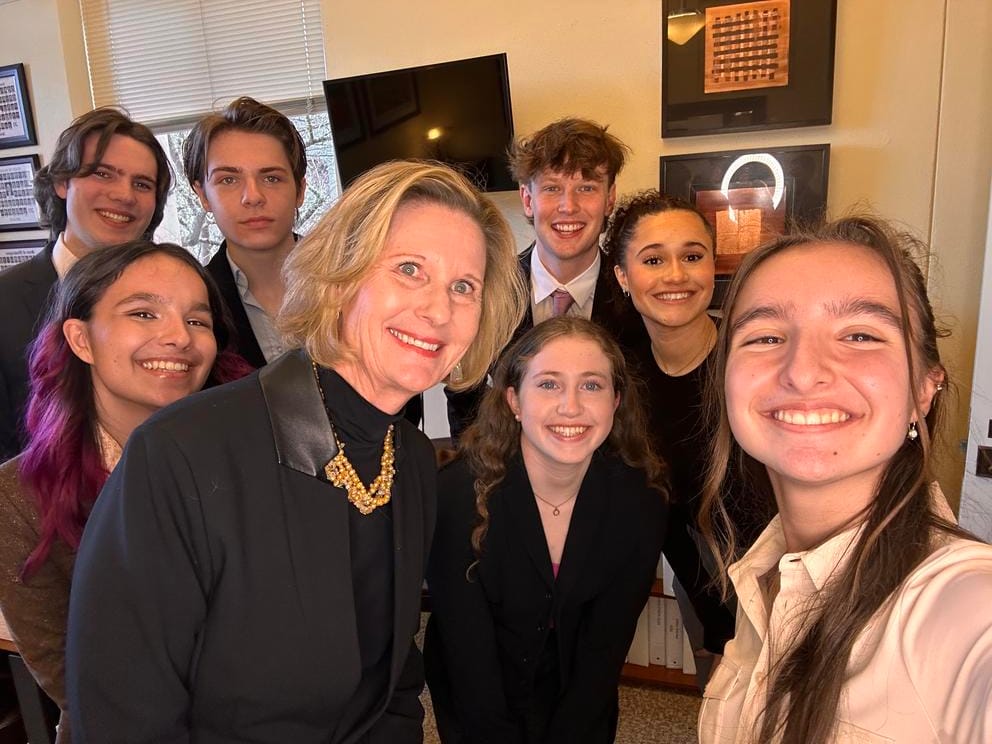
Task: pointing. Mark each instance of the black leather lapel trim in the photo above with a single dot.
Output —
(300, 428)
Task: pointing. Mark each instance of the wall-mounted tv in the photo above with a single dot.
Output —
(456, 112)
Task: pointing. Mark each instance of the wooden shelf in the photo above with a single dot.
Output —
(659, 675)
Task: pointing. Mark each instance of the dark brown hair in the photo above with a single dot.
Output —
(901, 525)
(243, 115)
(67, 162)
(494, 439)
(568, 146)
(633, 209)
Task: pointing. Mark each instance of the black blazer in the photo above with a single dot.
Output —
(24, 290)
(246, 344)
(487, 632)
(609, 309)
(212, 599)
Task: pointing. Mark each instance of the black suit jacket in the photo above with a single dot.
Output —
(24, 290)
(609, 309)
(247, 345)
(212, 599)
(487, 632)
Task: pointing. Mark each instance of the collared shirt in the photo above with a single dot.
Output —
(582, 288)
(62, 258)
(921, 671)
(269, 339)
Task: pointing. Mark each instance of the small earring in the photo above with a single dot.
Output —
(516, 416)
(626, 292)
(912, 434)
(940, 386)
(456, 375)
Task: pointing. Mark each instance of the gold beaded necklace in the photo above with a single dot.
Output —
(341, 473)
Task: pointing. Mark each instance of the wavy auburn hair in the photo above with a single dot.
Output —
(494, 438)
(901, 525)
(61, 466)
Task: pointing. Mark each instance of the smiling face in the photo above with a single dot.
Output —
(418, 308)
(817, 383)
(669, 268)
(565, 403)
(250, 190)
(115, 203)
(149, 341)
(569, 212)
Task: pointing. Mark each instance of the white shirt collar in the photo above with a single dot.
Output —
(62, 258)
(582, 288)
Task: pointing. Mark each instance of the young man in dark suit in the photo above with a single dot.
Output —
(247, 164)
(567, 174)
(106, 184)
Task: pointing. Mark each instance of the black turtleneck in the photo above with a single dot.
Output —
(361, 428)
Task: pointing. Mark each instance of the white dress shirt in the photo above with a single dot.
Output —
(921, 671)
(542, 284)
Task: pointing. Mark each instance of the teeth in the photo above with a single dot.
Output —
(115, 216)
(674, 295)
(811, 418)
(568, 228)
(166, 366)
(568, 431)
(415, 341)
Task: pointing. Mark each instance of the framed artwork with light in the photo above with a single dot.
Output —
(750, 196)
(732, 66)
(16, 118)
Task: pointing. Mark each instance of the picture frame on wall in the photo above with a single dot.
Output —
(750, 196)
(16, 117)
(18, 208)
(732, 66)
(13, 252)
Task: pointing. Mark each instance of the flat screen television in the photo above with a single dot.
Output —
(456, 112)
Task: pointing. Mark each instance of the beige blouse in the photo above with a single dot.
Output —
(920, 672)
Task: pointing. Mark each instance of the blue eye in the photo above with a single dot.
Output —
(547, 385)
(463, 287)
(592, 386)
(409, 268)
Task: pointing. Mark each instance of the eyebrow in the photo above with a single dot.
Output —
(239, 169)
(160, 300)
(845, 309)
(121, 172)
(559, 373)
(687, 244)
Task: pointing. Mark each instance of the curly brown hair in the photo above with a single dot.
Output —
(568, 146)
(494, 439)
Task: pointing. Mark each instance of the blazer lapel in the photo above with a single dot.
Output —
(518, 499)
(300, 427)
(37, 285)
(588, 520)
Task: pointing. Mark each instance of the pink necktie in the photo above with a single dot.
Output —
(561, 300)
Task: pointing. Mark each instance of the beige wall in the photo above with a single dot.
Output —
(906, 138)
(895, 130)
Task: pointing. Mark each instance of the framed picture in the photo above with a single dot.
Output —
(749, 196)
(18, 209)
(731, 66)
(14, 252)
(16, 119)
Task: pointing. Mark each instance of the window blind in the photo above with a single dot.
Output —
(169, 61)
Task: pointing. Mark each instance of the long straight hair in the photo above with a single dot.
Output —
(900, 525)
(61, 466)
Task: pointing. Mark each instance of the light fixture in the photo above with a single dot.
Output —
(434, 133)
(769, 162)
(684, 24)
